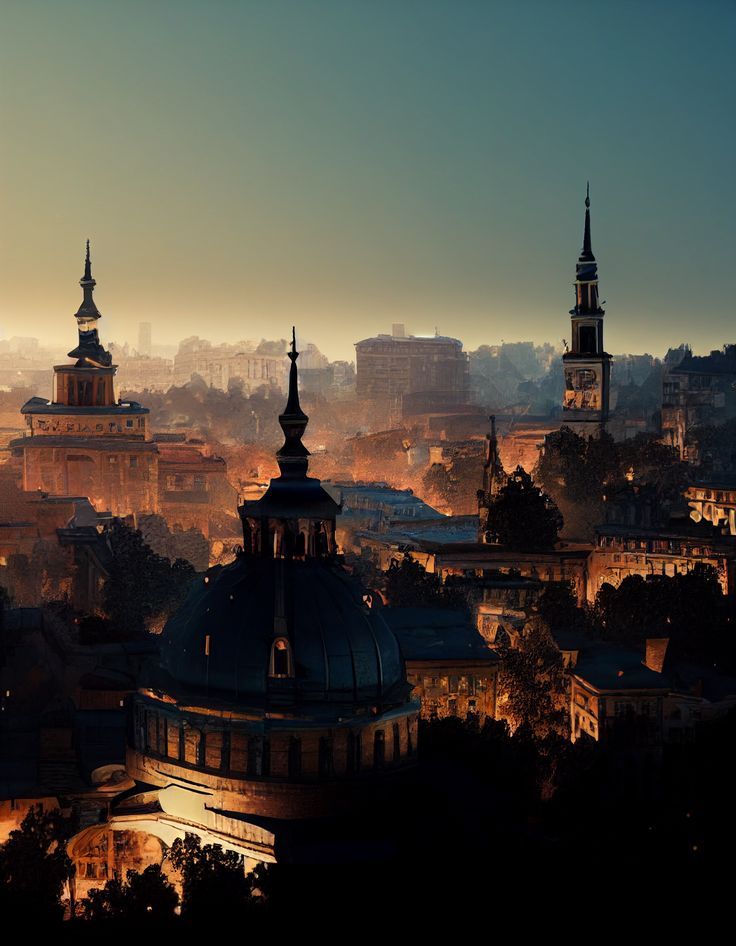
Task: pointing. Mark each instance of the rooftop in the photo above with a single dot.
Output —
(437, 634)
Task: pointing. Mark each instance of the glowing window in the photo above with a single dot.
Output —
(281, 662)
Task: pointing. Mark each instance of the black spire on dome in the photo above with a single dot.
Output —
(89, 351)
(292, 456)
(88, 311)
(87, 268)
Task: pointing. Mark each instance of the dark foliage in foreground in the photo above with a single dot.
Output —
(34, 868)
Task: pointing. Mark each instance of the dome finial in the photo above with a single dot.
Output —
(87, 265)
(292, 457)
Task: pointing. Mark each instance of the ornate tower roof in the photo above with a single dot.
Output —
(88, 311)
(586, 272)
(292, 456)
(89, 352)
(296, 516)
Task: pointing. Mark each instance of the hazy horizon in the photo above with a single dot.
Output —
(341, 166)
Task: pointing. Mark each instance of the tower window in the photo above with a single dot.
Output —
(588, 339)
(281, 661)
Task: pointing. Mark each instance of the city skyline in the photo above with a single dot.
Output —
(348, 166)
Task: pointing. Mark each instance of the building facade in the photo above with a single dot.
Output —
(88, 442)
(698, 391)
(391, 367)
(85, 441)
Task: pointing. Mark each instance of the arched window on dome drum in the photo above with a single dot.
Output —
(379, 749)
(397, 742)
(173, 739)
(266, 757)
(281, 664)
(213, 750)
(238, 752)
(192, 746)
(151, 731)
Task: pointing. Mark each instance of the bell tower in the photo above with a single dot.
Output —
(586, 364)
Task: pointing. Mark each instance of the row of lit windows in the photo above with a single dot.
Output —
(240, 754)
(654, 546)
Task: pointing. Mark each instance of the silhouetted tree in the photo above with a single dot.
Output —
(214, 882)
(141, 585)
(578, 471)
(34, 868)
(558, 606)
(690, 609)
(409, 585)
(145, 897)
(531, 684)
(522, 517)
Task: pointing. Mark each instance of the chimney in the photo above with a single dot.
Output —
(398, 330)
(655, 653)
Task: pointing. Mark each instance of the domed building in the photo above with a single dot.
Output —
(280, 693)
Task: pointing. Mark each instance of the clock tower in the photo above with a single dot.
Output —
(586, 364)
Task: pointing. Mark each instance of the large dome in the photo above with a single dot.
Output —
(221, 640)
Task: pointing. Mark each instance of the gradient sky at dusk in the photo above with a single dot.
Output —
(240, 165)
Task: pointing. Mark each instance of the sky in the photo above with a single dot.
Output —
(242, 165)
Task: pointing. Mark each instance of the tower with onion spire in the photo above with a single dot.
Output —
(85, 441)
(586, 364)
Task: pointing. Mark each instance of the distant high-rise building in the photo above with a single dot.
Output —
(396, 365)
(144, 338)
(586, 364)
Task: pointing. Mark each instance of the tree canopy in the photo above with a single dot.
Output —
(578, 471)
(522, 517)
(34, 867)
(214, 882)
(143, 897)
(410, 585)
(141, 588)
(690, 609)
(531, 684)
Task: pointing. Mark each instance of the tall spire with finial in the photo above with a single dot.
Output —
(88, 311)
(89, 350)
(292, 456)
(587, 252)
(87, 267)
(586, 271)
(586, 364)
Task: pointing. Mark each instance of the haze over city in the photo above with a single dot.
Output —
(241, 167)
(367, 466)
